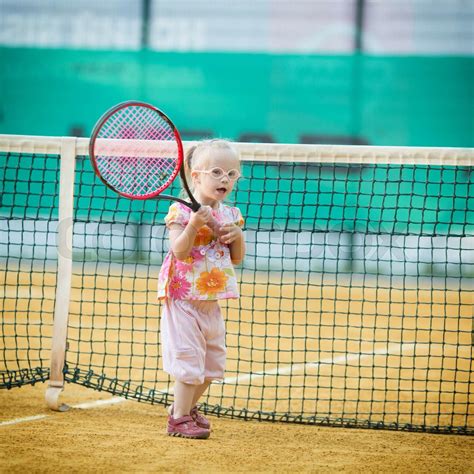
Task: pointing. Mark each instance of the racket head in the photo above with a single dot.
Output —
(136, 150)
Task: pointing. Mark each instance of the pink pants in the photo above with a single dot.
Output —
(193, 340)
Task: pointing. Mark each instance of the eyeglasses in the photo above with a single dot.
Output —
(219, 173)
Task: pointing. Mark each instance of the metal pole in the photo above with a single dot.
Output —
(359, 26)
(356, 102)
(146, 8)
(64, 278)
(356, 68)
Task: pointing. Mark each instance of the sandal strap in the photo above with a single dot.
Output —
(183, 419)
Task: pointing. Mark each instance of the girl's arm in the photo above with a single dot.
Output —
(182, 238)
(233, 236)
(237, 248)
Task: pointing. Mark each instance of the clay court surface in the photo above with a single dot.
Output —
(129, 436)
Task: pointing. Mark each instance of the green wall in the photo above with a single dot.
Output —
(419, 101)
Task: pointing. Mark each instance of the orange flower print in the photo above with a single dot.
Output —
(210, 283)
(204, 236)
(172, 214)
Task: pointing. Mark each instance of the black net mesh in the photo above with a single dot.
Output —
(356, 303)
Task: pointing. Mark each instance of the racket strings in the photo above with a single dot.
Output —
(141, 154)
(141, 180)
(136, 175)
(137, 124)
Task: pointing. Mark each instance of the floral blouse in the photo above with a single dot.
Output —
(208, 273)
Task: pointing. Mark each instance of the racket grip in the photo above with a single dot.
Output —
(195, 206)
(214, 225)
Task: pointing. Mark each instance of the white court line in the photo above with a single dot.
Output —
(81, 406)
(98, 403)
(286, 370)
(22, 420)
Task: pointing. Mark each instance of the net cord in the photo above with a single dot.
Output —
(281, 152)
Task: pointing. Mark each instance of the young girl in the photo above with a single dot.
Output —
(197, 272)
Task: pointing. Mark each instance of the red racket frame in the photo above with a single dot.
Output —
(179, 168)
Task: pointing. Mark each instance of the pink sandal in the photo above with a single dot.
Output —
(186, 427)
(199, 419)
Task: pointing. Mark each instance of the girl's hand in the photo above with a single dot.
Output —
(228, 233)
(200, 217)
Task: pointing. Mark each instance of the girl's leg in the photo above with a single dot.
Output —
(183, 398)
(198, 392)
(199, 419)
(200, 389)
(181, 423)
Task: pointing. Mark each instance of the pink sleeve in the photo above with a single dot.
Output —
(237, 216)
(177, 214)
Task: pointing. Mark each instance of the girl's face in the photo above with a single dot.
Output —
(210, 184)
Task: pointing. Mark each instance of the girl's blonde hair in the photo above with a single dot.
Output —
(201, 151)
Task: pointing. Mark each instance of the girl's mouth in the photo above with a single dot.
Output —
(221, 190)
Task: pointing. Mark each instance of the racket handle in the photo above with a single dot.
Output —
(195, 206)
(213, 224)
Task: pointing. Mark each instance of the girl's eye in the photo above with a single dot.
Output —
(217, 173)
(233, 174)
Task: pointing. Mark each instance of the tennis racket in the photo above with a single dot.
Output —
(136, 151)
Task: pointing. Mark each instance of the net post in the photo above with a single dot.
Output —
(64, 276)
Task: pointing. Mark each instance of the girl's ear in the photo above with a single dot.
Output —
(195, 176)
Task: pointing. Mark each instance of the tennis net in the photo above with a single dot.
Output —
(356, 303)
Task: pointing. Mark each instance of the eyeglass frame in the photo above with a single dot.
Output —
(224, 173)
